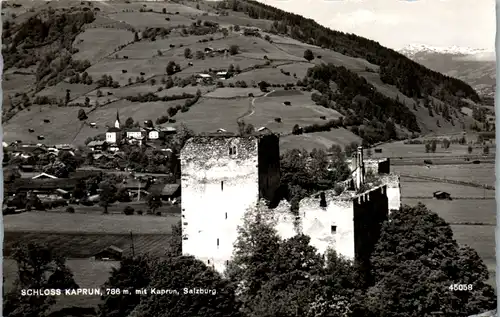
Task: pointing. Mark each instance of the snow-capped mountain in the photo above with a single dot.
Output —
(477, 67)
(451, 50)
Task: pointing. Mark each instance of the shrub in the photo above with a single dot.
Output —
(128, 210)
(139, 212)
(277, 120)
(158, 213)
(70, 210)
(287, 103)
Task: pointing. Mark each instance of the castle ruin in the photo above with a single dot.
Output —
(225, 175)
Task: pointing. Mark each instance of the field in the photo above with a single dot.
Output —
(227, 92)
(319, 140)
(481, 174)
(89, 223)
(460, 211)
(85, 245)
(87, 274)
(146, 49)
(208, 115)
(327, 56)
(419, 189)
(119, 7)
(57, 131)
(399, 149)
(271, 75)
(15, 83)
(302, 111)
(481, 239)
(97, 43)
(142, 20)
(59, 90)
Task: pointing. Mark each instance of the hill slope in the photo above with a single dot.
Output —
(142, 58)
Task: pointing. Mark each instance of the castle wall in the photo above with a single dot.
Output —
(371, 209)
(316, 222)
(217, 189)
(393, 190)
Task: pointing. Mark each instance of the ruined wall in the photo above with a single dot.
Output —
(370, 211)
(269, 166)
(317, 222)
(392, 181)
(218, 186)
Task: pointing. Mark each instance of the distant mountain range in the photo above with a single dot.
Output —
(477, 67)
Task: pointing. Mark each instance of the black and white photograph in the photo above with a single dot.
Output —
(243, 158)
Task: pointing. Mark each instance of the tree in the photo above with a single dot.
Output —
(433, 146)
(469, 149)
(351, 148)
(171, 68)
(106, 195)
(486, 150)
(427, 147)
(11, 174)
(129, 123)
(132, 273)
(237, 28)
(82, 115)
(225, 32)
(87, 102)
(122, 195)
(308, 55)
(414, 263)
(154, 202)
(296, 129)
(187, 52)
(295, 283)
(187, 273)
(390, 130)
(446, 143)
(253, 255)
(164, 11)
(234, 49)
(38, 267)
(68, 97)
(175, 241)
(136, 37)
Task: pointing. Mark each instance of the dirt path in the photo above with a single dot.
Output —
(251, 107)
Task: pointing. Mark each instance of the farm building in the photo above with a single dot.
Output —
(441, 195)
(95, 146)
(205, 78)
(111, 253)
(222, 75)
(167, 192)
(136, 133)
(44, 176)
(219, 170)
(40, 186)
(153, 134)
(27, 149)
(135, 186)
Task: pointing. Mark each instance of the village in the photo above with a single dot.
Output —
(42, 177)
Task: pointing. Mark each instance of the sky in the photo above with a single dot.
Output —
(399, 23)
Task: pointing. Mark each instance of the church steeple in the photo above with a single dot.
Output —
(117, 122)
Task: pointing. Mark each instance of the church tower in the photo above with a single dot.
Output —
(117, 121)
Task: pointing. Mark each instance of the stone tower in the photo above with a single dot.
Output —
(221, 177)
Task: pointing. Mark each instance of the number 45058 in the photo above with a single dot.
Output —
(461, 287)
